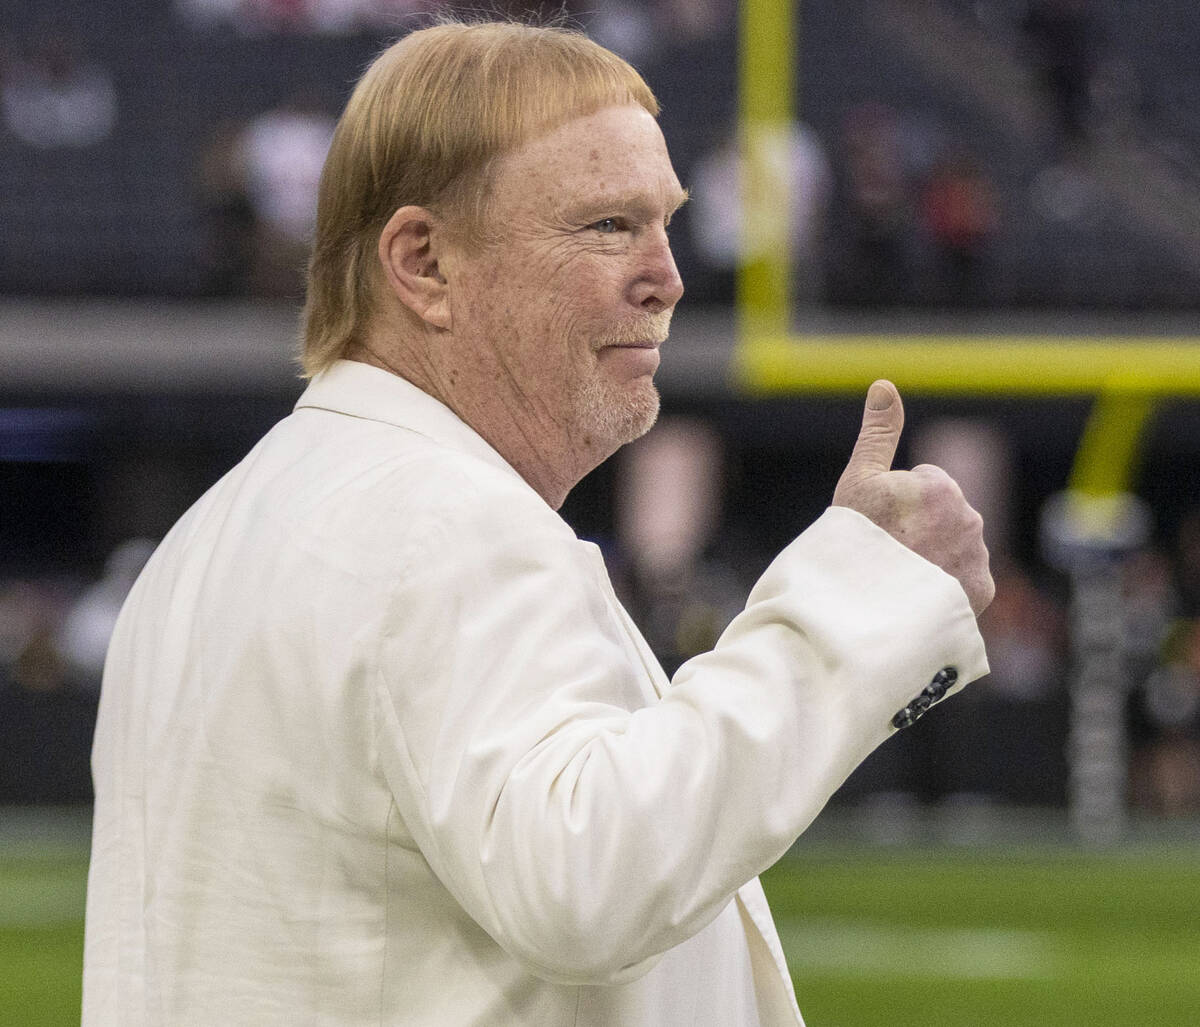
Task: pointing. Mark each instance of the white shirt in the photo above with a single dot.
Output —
(378, 745)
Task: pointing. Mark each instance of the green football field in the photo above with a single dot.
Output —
(1046, 935)
(1020, 937)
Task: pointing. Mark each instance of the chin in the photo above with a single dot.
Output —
(616, 417)
(648, 417)
(635, 416)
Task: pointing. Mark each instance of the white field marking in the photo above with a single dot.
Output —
(864, 948)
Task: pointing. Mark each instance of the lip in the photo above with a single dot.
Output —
(629, 360)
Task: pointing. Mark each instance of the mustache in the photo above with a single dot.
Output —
(651, 328)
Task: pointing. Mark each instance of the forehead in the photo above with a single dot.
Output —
(615, 155)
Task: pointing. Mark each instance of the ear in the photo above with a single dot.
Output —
(408, 253)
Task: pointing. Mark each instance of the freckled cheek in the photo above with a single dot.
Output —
(559, 307)
(562, 297)
(547, 272)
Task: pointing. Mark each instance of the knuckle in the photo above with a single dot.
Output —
(931, 472)
(936, 483)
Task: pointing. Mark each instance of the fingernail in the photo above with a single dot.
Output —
(879, 397)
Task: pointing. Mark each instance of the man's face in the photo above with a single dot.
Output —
(567, 302)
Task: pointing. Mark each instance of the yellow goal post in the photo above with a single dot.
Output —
(1127, 375)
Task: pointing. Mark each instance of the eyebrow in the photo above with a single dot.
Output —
(634, 205)
(684, 195)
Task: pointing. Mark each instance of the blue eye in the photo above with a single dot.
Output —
(606, 226)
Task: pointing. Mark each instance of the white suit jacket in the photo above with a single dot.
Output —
(378, 745)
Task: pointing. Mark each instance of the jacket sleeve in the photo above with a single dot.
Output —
(589, 825)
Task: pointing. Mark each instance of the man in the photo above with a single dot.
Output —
(378, 744)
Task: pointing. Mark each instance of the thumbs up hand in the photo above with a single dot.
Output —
(923, 508)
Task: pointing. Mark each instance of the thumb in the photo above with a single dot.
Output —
(883, 418)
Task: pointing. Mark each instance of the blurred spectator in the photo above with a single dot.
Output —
(1026, 633)
(668, 507)
(871, 261)
(795, 166)
(1062, 39)
(1187, 563)
(1015, 750)
(625, 27)
(958, 209)
(23, 607)
(267, 174)
(1164, 651)
(45, 724)
(56, 97)
(976, 453)
(82, 640)
(1067, 193)
(1166, 758)
(640, 30)
(684, 21)
(38, 668)
(1116, 97)
(228, 216)
(1151, 606)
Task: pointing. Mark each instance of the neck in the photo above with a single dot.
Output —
(538, 449)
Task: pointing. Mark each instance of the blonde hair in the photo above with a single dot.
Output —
(423, 126)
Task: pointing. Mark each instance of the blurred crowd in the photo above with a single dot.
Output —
(888, 207)
(949, 154)
(54, 633)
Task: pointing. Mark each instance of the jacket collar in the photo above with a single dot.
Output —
(361, 390)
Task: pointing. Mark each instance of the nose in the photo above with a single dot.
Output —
(658, 286)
